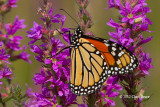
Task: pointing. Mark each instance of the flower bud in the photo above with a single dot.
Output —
(137, 20)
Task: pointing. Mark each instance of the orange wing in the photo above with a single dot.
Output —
(94, 60)
(119, 60)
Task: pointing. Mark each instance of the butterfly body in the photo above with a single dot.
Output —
(94, 59)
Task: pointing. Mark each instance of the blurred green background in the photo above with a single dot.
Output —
(27, 9)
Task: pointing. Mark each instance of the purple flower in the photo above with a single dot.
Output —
(12, 3)
(58, 106)
(43, 102)
(109, 102)
(39, 58)
(113, 24)
(12, 28)
(111, 85)
(145, 63)
(134, 16)
(143, 41)
(36, 49)
(24, 55)
(114, 3)
(35, 33)
(1, 44)
(57, 19)
(50, 13)
(130, 14)
(14, 42)
(62, 66)
(48, 61)
(40, 78)
(122, 37)
(5, 73)
(139, 101)
(3, 55)
(61, 19)
(56, 44)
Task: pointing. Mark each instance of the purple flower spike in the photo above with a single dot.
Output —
(128, 33)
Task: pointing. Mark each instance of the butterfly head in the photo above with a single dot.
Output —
(76, 36)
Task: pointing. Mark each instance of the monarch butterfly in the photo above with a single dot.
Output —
(94, 59)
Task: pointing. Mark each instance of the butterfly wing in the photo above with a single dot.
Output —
(94, 60)
(86, 69)
(119, 59)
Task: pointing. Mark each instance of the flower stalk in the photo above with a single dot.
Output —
(54, 74)
(132, 23)
(84, 16)
(10, 50)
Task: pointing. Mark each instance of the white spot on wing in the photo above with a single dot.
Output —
(118, 62)
(92, 45)
(109, 72)
(113, 53)
(102, 56)
(119, 54)
(113, 48)
(106, 41)
(107, 44)
(97, 52)
(116, 68)
(132, 60)
(114, 44)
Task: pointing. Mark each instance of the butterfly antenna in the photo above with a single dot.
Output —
(70, 16)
